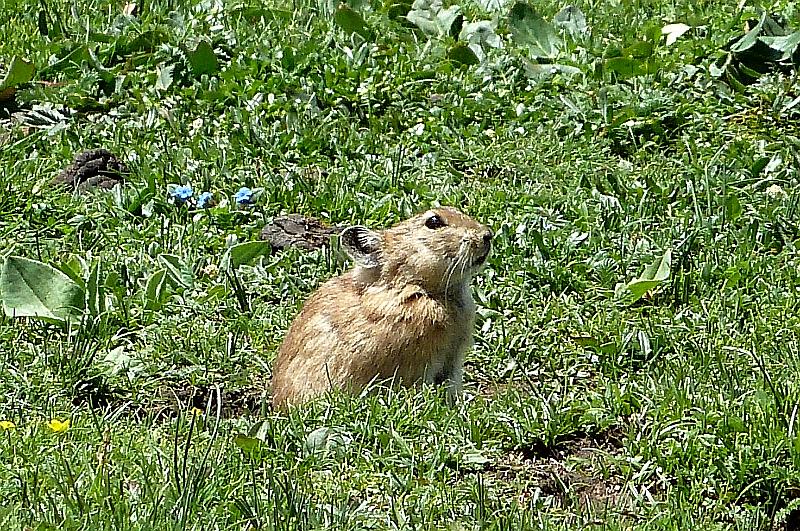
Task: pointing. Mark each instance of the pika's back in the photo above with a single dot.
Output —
(404, 312)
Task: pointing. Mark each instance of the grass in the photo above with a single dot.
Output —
(581, 409)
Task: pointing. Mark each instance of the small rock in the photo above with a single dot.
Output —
(297, 231)
(96, 168)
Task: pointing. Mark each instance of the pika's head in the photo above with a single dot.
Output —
(440, 250)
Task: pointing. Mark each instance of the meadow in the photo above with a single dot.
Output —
(636, 352)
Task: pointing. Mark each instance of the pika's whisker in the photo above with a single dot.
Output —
(451, 268)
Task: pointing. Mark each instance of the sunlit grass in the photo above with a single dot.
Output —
(581, 409)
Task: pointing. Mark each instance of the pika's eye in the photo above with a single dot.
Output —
(435, 222)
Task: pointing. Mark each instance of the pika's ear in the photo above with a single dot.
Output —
(363, 245)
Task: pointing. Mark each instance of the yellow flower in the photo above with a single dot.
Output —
(7, 425)
(58, 426)
(196, 411)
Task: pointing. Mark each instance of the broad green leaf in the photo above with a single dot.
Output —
(639, 50)
(351, 21)
(609, 348)
(19, 71)
(538, 240)
(654, 275)
(660, 268)
(113, 284)
(786, 44)
(435, 21)
(75, 268)
(30, 288)
(202, 59)
(481, 33)
(591, 342)
(733, 207)
(531, 30)
(105, 38)
(612, 50)
(651, 32)
(257, 435)
(68, 64)
(462, 54)
(746, 69)
(326, 440)
(95, 292)
(429, 25)
(164, 79)
(733, 78)
(178, 272)
(243, 254)
(451, 20)
(155, 291)
(758, 166)
(625, 66)
(773, 28)
(250, 445)
(674, 31)
(105, 74)
(261, 430)
(586, 341)
(732, 275)
(750, 38)
(216, 292)
(572, 20)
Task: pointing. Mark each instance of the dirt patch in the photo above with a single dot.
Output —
(97, 168)
(96, 393)
(297, 231)
(172, 398)
(177, 397)
(570, 472)
(579, 443)
(568, 484)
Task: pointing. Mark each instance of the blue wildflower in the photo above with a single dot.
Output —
(205, 200)
(244, 196)
(181, 194)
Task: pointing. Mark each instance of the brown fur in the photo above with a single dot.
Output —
(404, 312)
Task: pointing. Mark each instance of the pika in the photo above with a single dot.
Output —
(404, 312)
